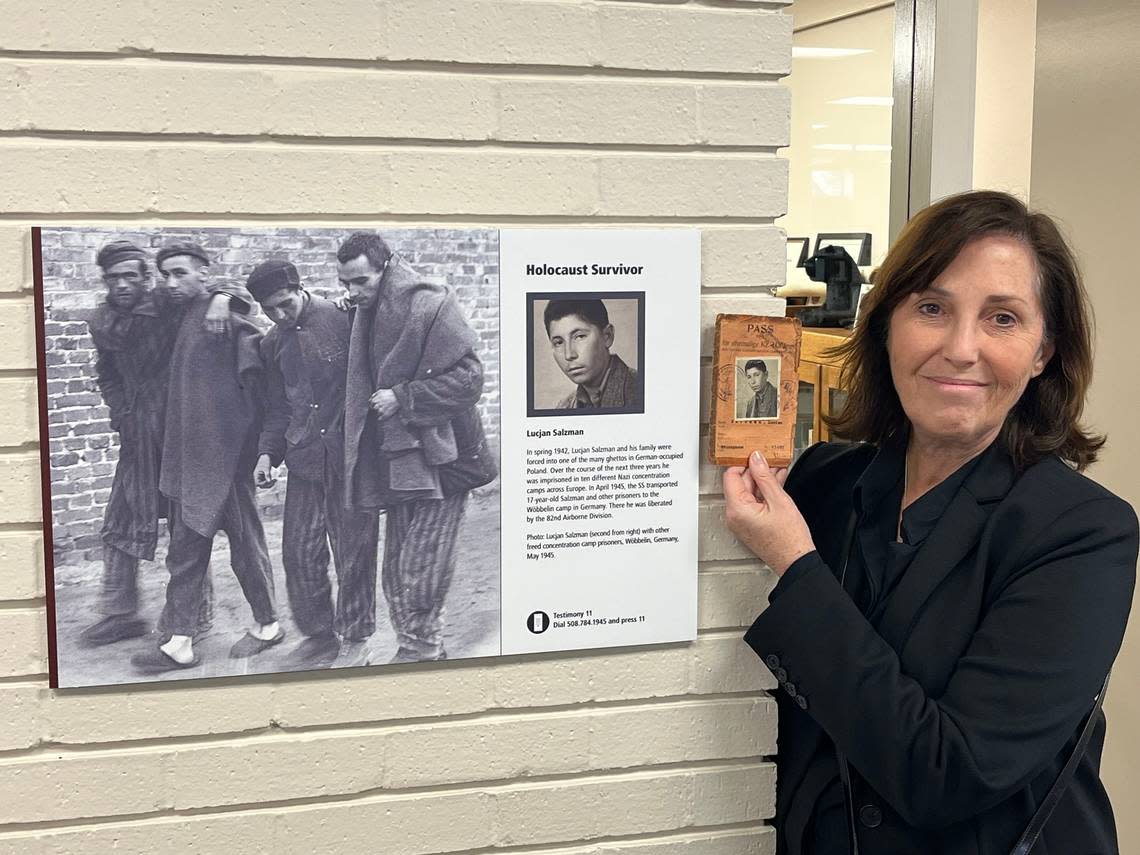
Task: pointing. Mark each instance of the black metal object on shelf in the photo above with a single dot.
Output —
(835, 267)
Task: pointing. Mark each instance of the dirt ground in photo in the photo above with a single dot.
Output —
(471, 614)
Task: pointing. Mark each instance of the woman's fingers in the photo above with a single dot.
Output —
(735, 488)
(756, 478)
(749, 483)
(762, 516)
(767, 486)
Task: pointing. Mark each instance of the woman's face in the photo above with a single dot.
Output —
(963, 350)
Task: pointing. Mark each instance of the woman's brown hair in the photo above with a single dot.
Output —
(1046, 419)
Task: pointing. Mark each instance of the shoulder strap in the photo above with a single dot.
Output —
(841, 758)
(1033, 830)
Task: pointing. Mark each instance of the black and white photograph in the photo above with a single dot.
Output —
(757, 388)
(268, 450)
(587, 353)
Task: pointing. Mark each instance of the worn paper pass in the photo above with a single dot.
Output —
(756, 362)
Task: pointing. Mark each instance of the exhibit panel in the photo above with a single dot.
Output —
(600, 515)
(230, 496)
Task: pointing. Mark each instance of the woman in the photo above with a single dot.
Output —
(952, 592)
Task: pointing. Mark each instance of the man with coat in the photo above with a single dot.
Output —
(133, 331)
(414, 441)
(133, 340)
(208, 455)
(306, 360)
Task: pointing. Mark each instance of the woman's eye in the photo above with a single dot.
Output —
(929, 308)
(1004, 319)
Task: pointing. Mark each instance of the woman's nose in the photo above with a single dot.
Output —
(961, 343)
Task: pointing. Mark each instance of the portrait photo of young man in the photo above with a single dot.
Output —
(757, 388)
(586, 354)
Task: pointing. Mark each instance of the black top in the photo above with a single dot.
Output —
(877, 562)
(958, 706)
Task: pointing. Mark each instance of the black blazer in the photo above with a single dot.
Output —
(957, 711)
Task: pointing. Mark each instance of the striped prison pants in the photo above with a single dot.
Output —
(315, 520)
(419, 562)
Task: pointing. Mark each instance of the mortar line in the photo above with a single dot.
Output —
(458, 68)
(30, 603)
(490, 787)
(275, 730)
(695, 833)
(434, 144)
(381, 145)
(314, 219)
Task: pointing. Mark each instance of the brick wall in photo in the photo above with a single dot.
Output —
(83, 447)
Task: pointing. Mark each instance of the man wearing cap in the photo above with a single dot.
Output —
(306, 357)
(414, 441)
(208, 455)
(133, 340)
(134, 335)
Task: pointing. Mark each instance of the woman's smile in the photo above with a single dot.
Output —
(952, 384)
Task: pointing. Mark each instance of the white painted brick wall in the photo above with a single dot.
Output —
(138, 97)
(565, 112)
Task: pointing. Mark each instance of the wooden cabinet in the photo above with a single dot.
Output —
(807, 407)
(820, 393)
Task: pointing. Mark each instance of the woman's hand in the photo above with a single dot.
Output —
(762, 516)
